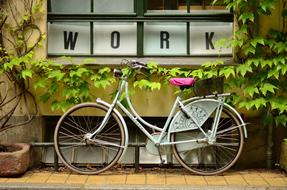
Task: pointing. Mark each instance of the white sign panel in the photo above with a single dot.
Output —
(115, 38)
(70, 6)
(69, 38)
(203, 37)
(112, 6)
(164, 38)
(120, 38)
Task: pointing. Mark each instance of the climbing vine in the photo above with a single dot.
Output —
(259, 68)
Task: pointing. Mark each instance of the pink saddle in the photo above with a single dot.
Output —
(182, 81)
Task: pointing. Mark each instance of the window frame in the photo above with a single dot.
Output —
(140, 16)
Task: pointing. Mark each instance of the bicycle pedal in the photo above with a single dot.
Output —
(162, 162)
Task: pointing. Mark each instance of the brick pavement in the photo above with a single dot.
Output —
(149, 177)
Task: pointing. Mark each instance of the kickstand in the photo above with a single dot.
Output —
(162, 161)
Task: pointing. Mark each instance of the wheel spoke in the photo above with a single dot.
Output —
(106, 147)
(217, 157)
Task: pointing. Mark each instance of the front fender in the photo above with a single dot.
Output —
(101, 102)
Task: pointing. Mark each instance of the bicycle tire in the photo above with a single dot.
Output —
(83, 157)
(216, 158)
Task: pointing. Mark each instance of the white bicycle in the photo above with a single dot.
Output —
(204, 133)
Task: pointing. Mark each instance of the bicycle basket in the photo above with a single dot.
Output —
(209, 86)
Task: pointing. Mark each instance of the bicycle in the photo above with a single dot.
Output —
(204, 133)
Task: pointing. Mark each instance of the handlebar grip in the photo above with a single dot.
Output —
(140, 65)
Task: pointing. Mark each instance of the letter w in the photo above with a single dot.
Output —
(70, 40)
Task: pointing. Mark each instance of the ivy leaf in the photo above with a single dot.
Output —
(249, 50)
(283, 69)
(267, 87)
(70, 92)
(54, 87)
(26, 73)
(245, 104)
(142, 83)
(45, 97)
(42, 83)
(212, 64)
(152, 65)
(281, 119)
(227, 71)
(247, 16)
(155, 85)
(243, 69)
(251, 90)
(254, 62)
(198, 73)
(273, 73)
(12, 63)
(258, 102)
(56, 74)
(210, 74)
(174, 71)
(57, 105)
(102, 83)
(278, 103)
(79, 72)
(104, 70)
(258, 40)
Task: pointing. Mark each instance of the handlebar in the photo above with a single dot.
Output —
(134, 64)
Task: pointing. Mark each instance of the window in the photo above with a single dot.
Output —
(137, 28)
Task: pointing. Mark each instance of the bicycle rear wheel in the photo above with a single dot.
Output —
(89, 157)
(210, 159)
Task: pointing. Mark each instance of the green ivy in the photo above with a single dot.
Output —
(260, 64)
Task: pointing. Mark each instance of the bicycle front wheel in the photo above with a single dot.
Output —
(89, 157)
(211, 159)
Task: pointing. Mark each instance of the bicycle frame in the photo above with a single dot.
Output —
(141, 123)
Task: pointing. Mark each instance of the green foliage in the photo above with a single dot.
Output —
(259, 72)
(66, 85)
(260, 69)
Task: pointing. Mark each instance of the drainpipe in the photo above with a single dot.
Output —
(269, 139)
(269, 152)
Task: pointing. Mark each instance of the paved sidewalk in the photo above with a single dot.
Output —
(147, 179)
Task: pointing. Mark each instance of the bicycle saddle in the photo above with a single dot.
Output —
(187, 82)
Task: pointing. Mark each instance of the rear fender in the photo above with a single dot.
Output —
(201, 109)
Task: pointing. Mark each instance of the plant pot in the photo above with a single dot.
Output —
(283, 155)
(16, 161)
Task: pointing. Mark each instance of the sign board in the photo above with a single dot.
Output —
(203, 37)
(115, 38)
(165, 38)
(69, 38)
(120, 38)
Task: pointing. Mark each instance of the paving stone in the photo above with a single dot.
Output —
(3, 179)
(235, 180)
(276, 182)
(22, 179)
(254, 179)
(195, 180)
(215, 180)
(136, 179)
(175, 179)
(99, 179)
(116, 179)
(38, 178)
(155, 179)
(58, 178)
(77, 179)
(271, 174)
